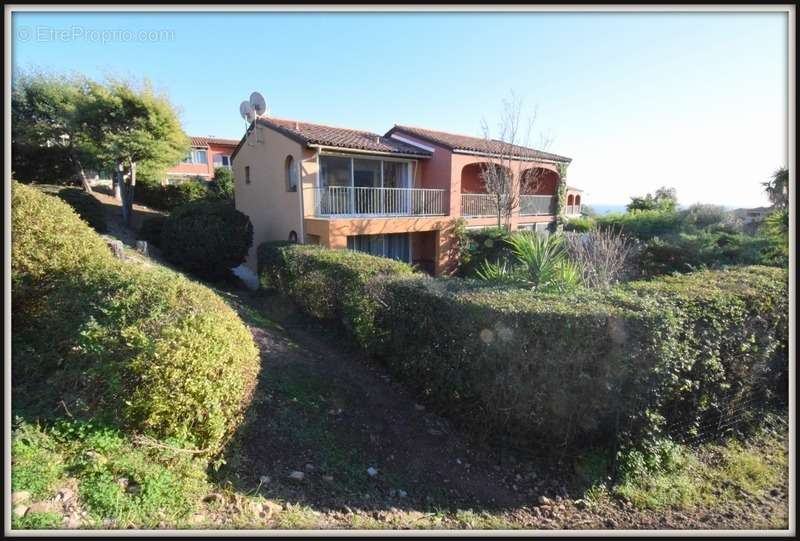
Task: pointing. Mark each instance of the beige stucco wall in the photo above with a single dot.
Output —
(272, 209)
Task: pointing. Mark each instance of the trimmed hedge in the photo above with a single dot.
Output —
(87, 206)
(559, 371)
(207, 238)
(326, 284)
(144, 349)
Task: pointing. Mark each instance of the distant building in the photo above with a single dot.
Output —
(751, 218)
(207, 153)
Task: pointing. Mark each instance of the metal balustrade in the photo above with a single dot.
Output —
(536, 205)
(347, 201)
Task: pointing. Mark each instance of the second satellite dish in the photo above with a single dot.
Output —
(258, 103)
(245, 108)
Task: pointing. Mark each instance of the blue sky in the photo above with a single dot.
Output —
(693, 101)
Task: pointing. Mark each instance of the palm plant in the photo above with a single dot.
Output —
(542, 263)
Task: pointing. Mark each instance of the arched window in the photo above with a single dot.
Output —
(291, 174)
(292, 236)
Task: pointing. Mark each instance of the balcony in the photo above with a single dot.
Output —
(474, 205)
(536, 205)
(349, 201)
(573, 210)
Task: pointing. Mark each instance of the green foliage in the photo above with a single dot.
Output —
(663, 200)
(222, 185)
(153, 194)
(543, 262)
(207, 238)
(777, 189)
(326, 284)
(36, 464)
(776, 230)
(686, 252)
(50, 129)
(700, 216)
(151, 228)
(88, 207)
(642, 225)
(557, 370)
(147, 350)
(583, 224)
(131, 485)
(484, 245)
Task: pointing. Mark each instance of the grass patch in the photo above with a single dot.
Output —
(118, 481)
(709, 475)
(37, 521)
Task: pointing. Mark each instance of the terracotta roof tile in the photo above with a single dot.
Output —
(203, 141)
(458, 142)
(319, 134)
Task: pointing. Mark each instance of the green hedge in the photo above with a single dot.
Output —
(484, 244)
(87, 206)
(152, 194)
(326, 284)
(145, 349)
(559, 371)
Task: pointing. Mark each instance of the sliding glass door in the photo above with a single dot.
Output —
(364, 186)
(394, 246)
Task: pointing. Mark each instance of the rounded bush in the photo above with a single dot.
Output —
(207, 238)
(151, 228)
(145, 349)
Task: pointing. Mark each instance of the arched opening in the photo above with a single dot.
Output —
(570, 200)
(473, 175)
(538, 181)
(577, 203)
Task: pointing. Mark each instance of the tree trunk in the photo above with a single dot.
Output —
(85, 181)
(128, 191)
(115, 183)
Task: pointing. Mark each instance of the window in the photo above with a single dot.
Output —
(293, 236)
(338, 174)
(200, 156)
(247, 174)
(222, 160)
(291, 174)
(394, 246)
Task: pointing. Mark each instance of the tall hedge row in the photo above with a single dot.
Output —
(561, 371)
(137, 347)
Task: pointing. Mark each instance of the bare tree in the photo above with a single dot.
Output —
(506, 174)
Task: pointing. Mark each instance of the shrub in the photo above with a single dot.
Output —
(484, 245)
(583, 224)
(147, 350)
(604, 257)
(572, 369)
(326, 284)
(644, 224)
(207, 238)
(558, 370)
(222, 185)
(151, 228)
(152, 194)
(88, 207)
(686, 252)
(540, 263)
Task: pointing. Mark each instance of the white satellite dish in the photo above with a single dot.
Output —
(258, 103)
(245, 109)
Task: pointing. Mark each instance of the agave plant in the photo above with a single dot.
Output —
(542, 263)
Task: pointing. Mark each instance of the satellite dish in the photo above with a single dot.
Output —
(258, 103)
(245, 109)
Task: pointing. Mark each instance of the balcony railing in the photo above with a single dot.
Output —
(348, 201)
(475, 205)
(478, 204)
(535, 205)
(573, 210)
